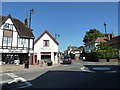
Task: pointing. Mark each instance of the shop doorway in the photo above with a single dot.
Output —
(45, 58)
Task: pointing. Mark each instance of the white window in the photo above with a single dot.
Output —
(23, 41)
(7, 40)
(8, 26)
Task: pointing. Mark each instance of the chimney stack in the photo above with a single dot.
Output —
(110, 36)
(26, 22)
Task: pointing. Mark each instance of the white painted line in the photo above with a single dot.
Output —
(12, 75)
(16, 79)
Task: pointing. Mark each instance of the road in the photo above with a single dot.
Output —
(70, 76)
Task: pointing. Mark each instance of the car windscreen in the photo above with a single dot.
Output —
(67, 58)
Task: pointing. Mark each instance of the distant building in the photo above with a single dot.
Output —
(115, 42)
(74, 52)
(45, 48)
(70, 48)
(16, 40)
(92, 45)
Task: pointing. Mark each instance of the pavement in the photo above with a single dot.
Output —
(14, 68)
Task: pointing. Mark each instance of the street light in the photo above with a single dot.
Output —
(105, 28)
(31, 12)
(27, 61)
(56, 35)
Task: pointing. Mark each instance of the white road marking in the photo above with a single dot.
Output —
(83, 69)
(12, 75)
(17, 79)
(65, 65)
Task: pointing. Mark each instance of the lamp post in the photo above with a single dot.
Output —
(31, 12)
(56, 35)
(27, 61)
(105, 28)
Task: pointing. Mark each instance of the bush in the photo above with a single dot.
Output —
(102, 54)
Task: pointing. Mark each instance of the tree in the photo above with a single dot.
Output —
(91, 34)
(104, 46)
(81, 47)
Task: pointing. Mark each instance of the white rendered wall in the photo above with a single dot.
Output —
(31, 43)
(14, 43)
(10, 22)
(1, 35)
(38, 47)
(53, 47)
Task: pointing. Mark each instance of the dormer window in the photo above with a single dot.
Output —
(8, 26)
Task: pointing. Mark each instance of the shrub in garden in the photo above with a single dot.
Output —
(102, 54)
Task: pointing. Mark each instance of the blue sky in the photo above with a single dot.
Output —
(70, 20)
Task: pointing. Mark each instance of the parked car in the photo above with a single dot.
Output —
(16, 60)
(66, 59)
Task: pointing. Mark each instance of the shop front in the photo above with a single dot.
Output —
(9, 58)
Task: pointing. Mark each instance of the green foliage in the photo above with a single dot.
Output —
(81, 47)
(103, 54)
(91, 34)
(104, 46)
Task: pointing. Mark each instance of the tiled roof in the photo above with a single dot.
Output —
(114, 40)
(73, 47)
(48, 34)
(22, 29)
(98, 40)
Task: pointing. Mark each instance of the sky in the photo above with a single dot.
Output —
(71, 20)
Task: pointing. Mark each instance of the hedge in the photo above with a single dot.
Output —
(102, 54)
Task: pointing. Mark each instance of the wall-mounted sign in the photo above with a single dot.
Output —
(45, 48)
(15, 51)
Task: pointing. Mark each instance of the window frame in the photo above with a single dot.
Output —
(46, 43)
(8, 26)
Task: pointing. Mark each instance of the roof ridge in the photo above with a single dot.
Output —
(46, 31)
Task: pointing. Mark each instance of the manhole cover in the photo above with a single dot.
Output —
(101, 68)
